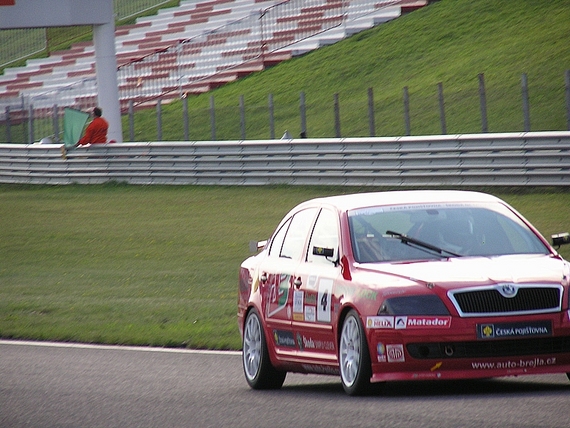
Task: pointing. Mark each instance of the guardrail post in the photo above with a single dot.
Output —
(242, 116)
(212, 118)
(336, 116)
(8, 130)
(159, 120)
(567, 81)
(185, 119)
(407, 111)
(483, 103)
(371, 124)
(441, 108)
(131, 121)
(271, 118)
(55, 121)
(31, 124)
(303, 116)
(526, 106)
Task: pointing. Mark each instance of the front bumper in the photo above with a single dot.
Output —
(460, 352)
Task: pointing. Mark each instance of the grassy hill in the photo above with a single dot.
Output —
(451, 41)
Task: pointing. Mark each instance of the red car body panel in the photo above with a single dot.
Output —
(303, 306)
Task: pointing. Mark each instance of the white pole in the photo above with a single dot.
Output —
(107, 86)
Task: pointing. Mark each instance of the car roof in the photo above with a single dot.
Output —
(361, 200)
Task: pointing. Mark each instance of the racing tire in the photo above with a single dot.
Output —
(354, 357)
(257, 367)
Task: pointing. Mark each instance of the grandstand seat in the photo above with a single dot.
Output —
(208, 57)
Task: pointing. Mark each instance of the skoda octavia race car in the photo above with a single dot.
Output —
(404, 285)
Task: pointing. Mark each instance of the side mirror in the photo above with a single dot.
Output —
(560, 239)
(325, 252)
(255, 246)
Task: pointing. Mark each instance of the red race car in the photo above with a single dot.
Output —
(404, 285)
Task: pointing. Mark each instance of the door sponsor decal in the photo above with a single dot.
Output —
(324, 298)
(298, 298)
(310, 313)
(284, 338)
(278, 295)
(309, 343)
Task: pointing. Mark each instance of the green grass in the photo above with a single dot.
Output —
(151, 265)
(451, 41)
(158, 265)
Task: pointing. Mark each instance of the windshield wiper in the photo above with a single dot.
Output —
(408, 240)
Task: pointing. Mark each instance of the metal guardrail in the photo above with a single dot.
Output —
(521, 159)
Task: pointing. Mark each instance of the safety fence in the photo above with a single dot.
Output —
(525, 159)
(236, 122)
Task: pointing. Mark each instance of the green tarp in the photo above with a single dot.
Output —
(73, 123)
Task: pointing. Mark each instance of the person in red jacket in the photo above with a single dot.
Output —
(96, 131)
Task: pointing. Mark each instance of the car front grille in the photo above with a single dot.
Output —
(491, 301)
(489, 348)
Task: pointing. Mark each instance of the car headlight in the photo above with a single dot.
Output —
(425, 304)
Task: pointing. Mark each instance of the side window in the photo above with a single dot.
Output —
(294, 242)
(325, 235)
(277, 241)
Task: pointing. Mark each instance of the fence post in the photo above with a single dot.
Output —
(567, 81)
(483, 103)
(186, 121)
(526, 107)
(31, 123)
(242, 116)
(441, 108)
(159, 120)
(407, 111)
(131, 120)
(336, 116)
(371, 124)
(8, 130)
(55, 124)
(213, 117)
(303, 116)
(271, 118)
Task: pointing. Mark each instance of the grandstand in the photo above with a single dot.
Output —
(193, 48)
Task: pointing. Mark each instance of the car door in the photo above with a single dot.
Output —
(287, 249)
(313, 300)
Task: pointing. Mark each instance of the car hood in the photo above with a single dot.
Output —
(458, 272)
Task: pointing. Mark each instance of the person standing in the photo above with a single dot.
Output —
(96, 131)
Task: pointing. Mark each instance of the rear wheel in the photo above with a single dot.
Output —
(355, 368)
(259, 372)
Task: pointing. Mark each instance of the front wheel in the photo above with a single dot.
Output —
(259, 372)
(355, 367)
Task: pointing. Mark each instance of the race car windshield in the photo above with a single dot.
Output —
(383, 234)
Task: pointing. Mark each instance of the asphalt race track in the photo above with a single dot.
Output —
(66, 385)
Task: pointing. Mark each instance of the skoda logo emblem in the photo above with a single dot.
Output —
(508, 290)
